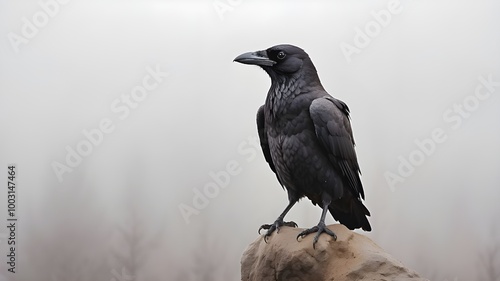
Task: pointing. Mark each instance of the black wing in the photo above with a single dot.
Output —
(333, 129)
(261, 127)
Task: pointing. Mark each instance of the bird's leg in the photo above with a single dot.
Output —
(321, 227)
(279, 222)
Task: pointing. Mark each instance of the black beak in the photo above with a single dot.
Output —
(256, 58)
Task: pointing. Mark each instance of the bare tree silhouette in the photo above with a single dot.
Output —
(130, 257)
(63, 234)
(207, 260)
(206, 263)
(489, 260)
(490, 264)
(137, 238)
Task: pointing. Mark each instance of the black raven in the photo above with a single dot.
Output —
(307, 140)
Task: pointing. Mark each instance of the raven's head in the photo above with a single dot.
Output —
(280, 60)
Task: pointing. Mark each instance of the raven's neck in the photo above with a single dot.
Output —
(285, 88)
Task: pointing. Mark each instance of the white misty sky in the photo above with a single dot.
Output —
(426, 60)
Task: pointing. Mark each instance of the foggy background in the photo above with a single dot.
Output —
(117, 214)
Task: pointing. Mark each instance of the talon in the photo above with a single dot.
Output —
(275, 226)
(320, 228)
(264, 226)
(307, 231)
(265, 238)
(331, 233)
(290, 224)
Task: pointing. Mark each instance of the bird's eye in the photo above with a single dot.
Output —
(281, 55)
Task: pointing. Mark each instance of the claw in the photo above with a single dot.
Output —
(265, 238)
(275, 226)
(264, 226)
(320, 228)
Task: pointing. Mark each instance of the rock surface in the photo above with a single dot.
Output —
(352, 257)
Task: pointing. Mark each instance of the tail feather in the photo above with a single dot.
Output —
(354, 216)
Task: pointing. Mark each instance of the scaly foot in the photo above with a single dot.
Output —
(275, 226)
(320, 228)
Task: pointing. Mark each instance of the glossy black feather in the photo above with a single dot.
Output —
(263, 140)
